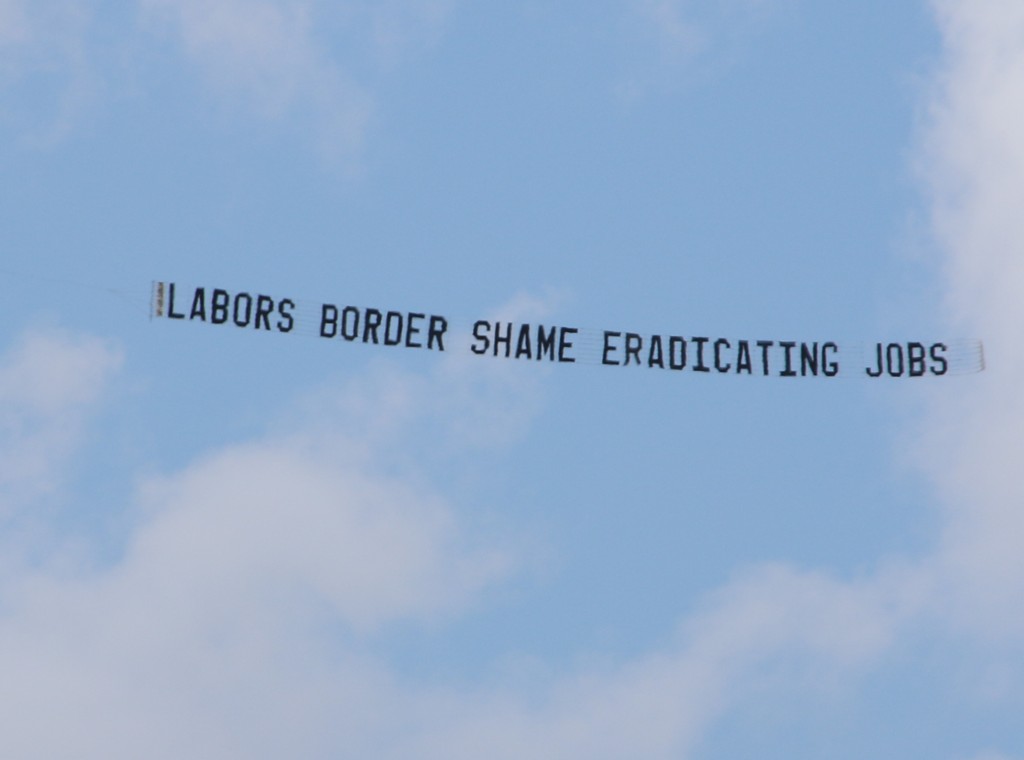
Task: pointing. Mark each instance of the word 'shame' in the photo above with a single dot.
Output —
(562, 344)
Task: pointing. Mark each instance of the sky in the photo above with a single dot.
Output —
(227, 543)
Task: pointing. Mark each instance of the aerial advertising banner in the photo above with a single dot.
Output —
(675, 350)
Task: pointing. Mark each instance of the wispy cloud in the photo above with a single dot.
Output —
(266, 59)
(47, 77)
(272, 56)
(244, 601)
(249, 594)
(266, 54)
(683, 40)
(974, 162)
(48, 384)
(679, 34)
(661, 704)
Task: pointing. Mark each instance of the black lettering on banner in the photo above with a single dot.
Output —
(829, 368)
(878, 363)
(503, 339)
(170, 303)
(743, 363)
(198, 305)
(393, 337)
(700, 366)
(350, 323)
(435, 332)
(287, 321)
(328, 318)
(788, 346)
(545, 343)
(411, 330)
(264, 306)
(246, 317)
(764, 345)
(564, 344)
(480, 329)
(523, 347)
(609, 348)
(896, 371)
(915, 359)
(633, 345)
(719, 345)
(809, 359)
(219, 306)
(675, 342)
(937, 352)
(538, 342)
(654, 354)
(371, 321)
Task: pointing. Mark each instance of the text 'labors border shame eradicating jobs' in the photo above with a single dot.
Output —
(673, 351)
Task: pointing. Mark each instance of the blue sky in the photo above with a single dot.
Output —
(220, 543)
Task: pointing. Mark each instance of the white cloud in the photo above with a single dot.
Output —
(47, 385)
(974, 162)
(269, 53)
(241, 617)
(47, 79)
(301, 517)
(255, 581)
(275, 58)
(661, 704)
